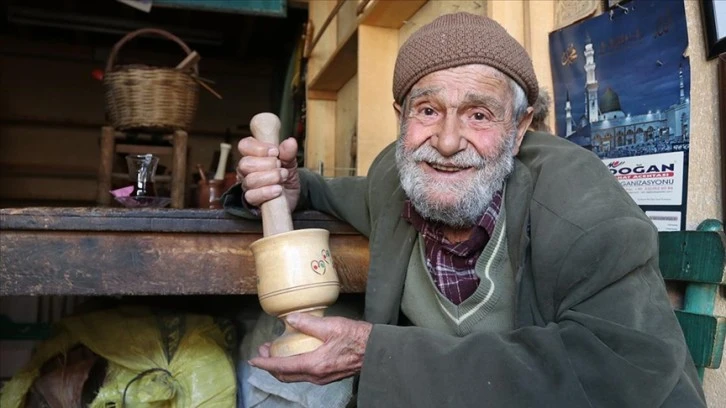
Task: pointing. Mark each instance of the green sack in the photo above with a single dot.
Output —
(159, 360)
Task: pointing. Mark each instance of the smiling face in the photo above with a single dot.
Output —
(458, 142)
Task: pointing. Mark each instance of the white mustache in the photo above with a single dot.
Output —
(465, 158)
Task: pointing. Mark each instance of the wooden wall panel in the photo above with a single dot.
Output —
(510, 14)
(377, 124)
(347, 19)
(320, 137)
(433, 9)
(346, 128)
(318, 11)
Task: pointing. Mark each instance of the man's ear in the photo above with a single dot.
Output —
(397, 108)
(522, 129)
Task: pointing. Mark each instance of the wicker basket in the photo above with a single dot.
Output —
(150, 98)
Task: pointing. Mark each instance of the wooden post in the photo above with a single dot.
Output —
(105, 167)
(179, 169)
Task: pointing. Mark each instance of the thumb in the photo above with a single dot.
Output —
(309, 324)
(288, 152)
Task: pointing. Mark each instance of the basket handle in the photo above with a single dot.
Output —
(130, 36)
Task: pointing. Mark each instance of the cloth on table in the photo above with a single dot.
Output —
(259, 389)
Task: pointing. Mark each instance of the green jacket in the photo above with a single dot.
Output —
(593, 323)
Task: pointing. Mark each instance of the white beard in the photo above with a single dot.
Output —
(469, 198)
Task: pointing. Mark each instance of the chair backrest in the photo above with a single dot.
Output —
(697, 259)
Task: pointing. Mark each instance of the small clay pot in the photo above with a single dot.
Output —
(295, 273)
(210, 192)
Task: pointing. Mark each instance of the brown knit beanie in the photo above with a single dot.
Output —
(459, 39)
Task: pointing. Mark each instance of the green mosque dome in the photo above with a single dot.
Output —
(610, 102)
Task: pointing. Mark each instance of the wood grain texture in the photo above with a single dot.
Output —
(102, 251)
(377, 122)
(105, 167)
(320, 140)
(179, 169)
(693, 256)
(704, 337)
(346, 111)
(318, 12)
(340, 67)
(389, 14)
(150, 220)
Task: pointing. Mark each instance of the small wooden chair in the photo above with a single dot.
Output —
(109, 147)
(697, 260)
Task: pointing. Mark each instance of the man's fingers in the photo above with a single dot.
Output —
(263, 194)
(264, 178)
(288, 151)
(309, 324)
(302, 367)
(264, 350)
(283, 365)
(250, 146)
(251, 164)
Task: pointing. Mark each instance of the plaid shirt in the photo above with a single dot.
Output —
(451, 265)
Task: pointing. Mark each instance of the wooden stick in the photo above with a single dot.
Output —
(207, 87)
(308, 44)
(190, 60)
(224, 149)
(276, 217)
(201, 173)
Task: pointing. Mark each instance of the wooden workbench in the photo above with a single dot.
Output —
(117, 251)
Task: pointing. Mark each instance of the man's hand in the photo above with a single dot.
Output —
(266, 171)
(340, 356)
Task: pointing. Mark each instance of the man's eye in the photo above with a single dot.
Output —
(479, 116)
(428, 111)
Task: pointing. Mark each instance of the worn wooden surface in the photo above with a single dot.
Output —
(693, 256)
(178, 168)
(105, 167)
(697, 260)
(109, 251)
(705, 337)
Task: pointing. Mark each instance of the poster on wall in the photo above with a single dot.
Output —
(622, 90)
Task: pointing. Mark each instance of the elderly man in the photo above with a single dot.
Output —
(508, 267)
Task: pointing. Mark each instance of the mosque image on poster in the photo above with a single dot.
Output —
(610, 130)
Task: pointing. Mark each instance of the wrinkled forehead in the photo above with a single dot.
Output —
(466, 80)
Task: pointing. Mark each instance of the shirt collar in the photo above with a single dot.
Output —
(434, 230)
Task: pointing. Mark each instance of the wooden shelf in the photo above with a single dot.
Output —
(340, 67)
(343, 63)
(86, 251)
(350, 79)
(389, 13)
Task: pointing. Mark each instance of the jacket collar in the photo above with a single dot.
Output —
(393, 242)
(518, 198)
(516, 201)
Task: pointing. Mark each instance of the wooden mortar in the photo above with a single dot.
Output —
(295, 271)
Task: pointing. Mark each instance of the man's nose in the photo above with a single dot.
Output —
(449, 141)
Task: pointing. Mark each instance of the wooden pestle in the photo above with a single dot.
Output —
(276, 217)
(224, 149)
